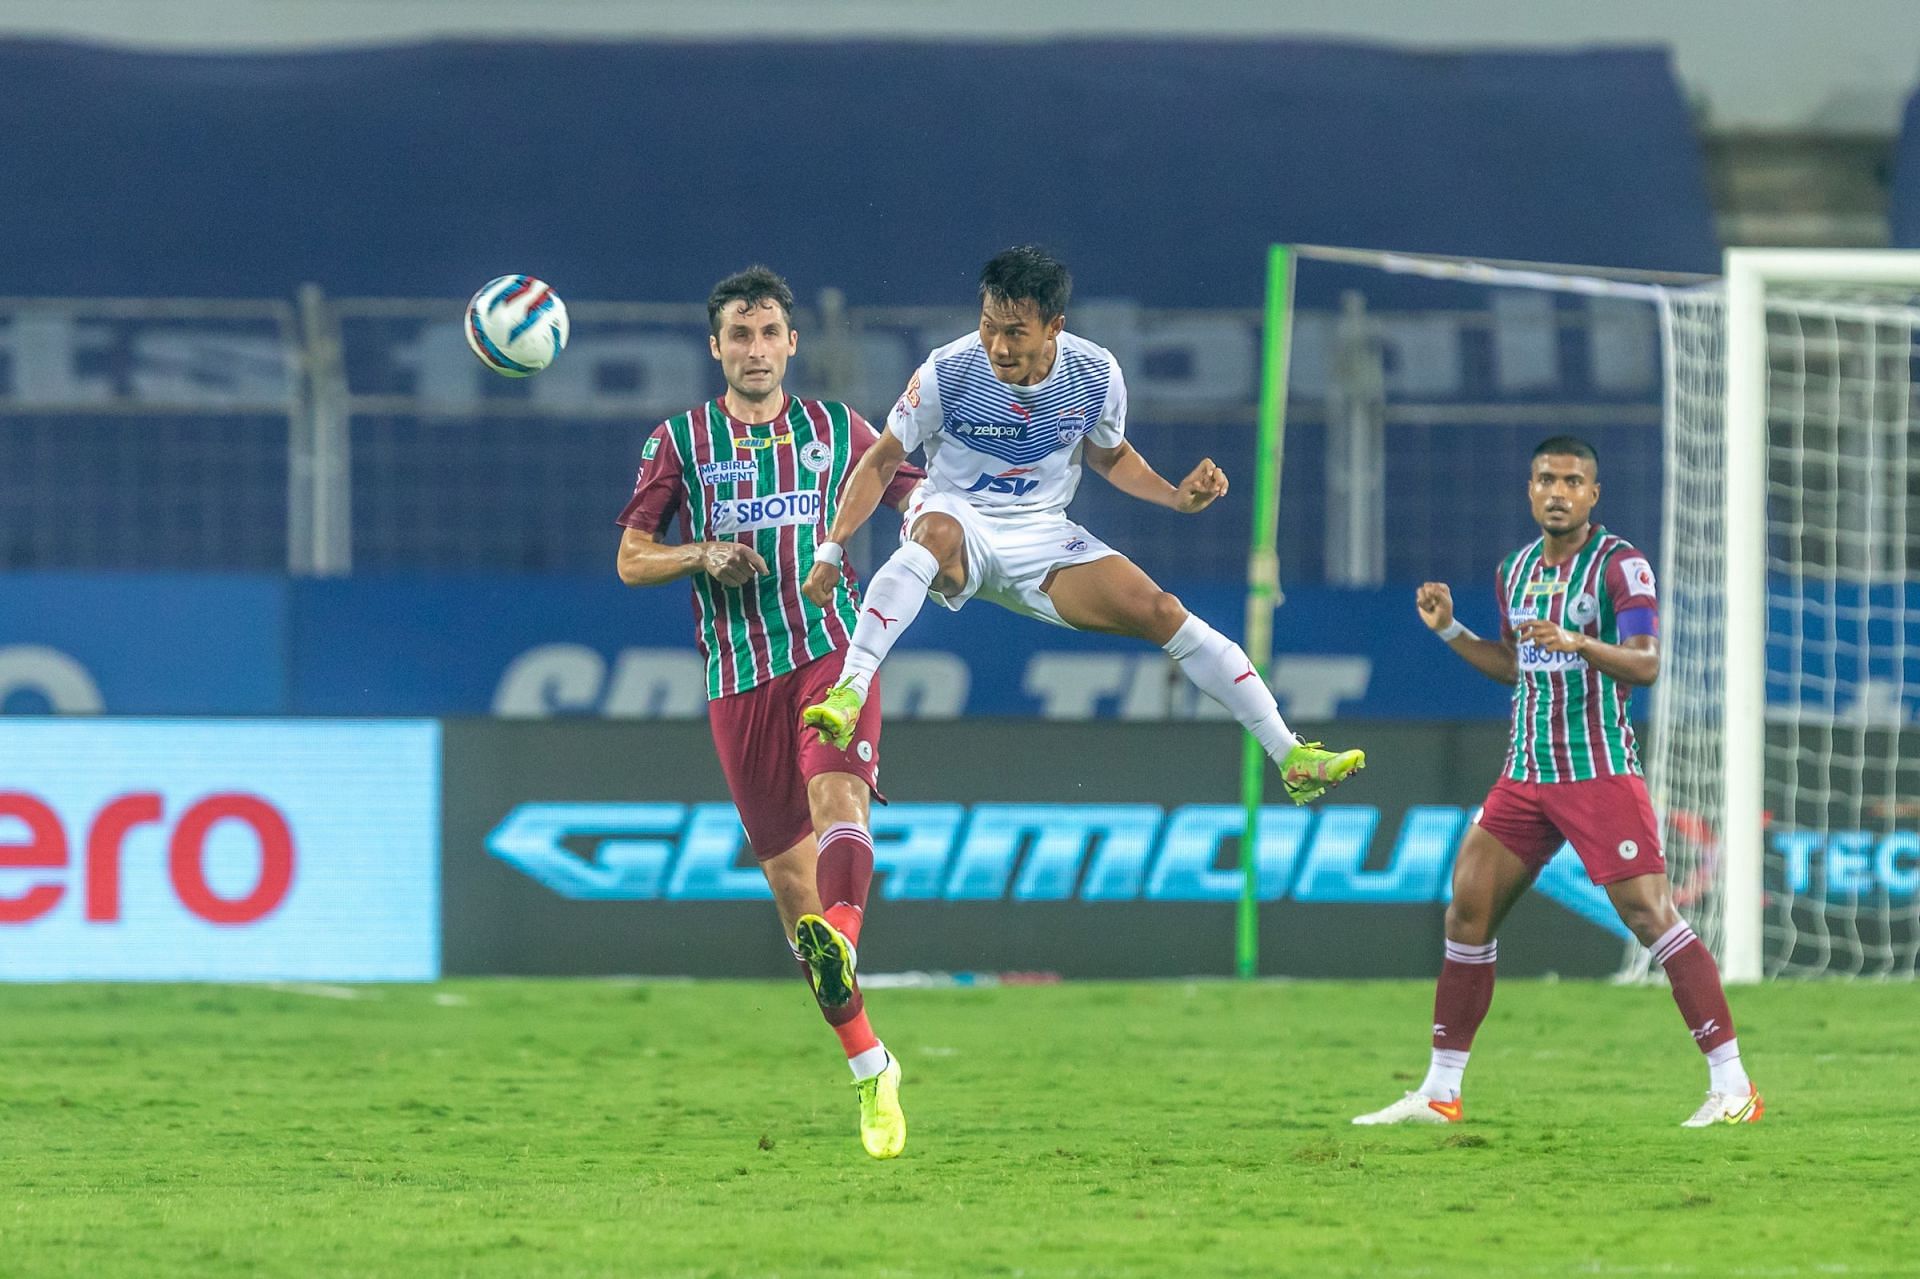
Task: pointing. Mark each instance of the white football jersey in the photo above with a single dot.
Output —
(1010, 450)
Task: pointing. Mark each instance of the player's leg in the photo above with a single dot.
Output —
(1497, 862)
(1114, 596)
(840, 803)
(1645, 903)
(841, 782)
(1611, 823)
(759, 744)
(790, 874)
(827, 937)
(933, 557)
(1487, 880)
(826, 941)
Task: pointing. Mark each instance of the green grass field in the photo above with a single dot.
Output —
(593, 1128)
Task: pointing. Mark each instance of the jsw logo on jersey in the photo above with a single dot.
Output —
(1007, 482)
(774, 510)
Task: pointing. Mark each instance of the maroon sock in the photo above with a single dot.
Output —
(843, 875)
(1463, 994)
(1695, 979)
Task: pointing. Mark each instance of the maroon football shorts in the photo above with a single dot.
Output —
(1609, 821)
(768, 758)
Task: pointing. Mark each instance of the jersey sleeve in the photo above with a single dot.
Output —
(1508, 635)
(1111, 429)
(916, 414)
(661, 488)
(1636, 604)
(863, 437)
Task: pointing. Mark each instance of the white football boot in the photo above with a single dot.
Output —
(1728, 1108)
(1417, 1108)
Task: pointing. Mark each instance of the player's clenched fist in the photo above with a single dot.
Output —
(731, 563)
(820, 583)
(1435, 602)
(1198, 490)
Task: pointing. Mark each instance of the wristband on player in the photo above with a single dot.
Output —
(1454, 630)
(829, 553)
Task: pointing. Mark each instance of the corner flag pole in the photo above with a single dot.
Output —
(1263, 582)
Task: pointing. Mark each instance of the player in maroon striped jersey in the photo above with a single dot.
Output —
(753, 476)
(1579, 630)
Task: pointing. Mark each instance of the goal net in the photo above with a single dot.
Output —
(1759, 428)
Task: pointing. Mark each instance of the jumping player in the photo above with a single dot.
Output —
(752, 476)
(1007, 416)
(1579, 630)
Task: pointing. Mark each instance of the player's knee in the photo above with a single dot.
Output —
(1165, 615)
(940, 534)
(942, 537)
(835, 799)
(1648, 921)
(1468, 923)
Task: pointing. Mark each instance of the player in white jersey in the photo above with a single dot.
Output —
(1007, 416)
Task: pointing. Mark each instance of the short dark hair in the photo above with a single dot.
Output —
(1028, 273)
(753, 286)
(1566, 446)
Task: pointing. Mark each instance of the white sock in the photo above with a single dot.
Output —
(1448, 1068)
(891, 602)
(1221, 669)
(869, 1063)
(1725, 1074)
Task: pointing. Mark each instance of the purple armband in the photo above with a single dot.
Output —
(1637, 621)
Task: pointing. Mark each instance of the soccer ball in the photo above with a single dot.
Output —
(517, 325)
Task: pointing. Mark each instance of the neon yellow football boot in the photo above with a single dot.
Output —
(829, 956)
(883, 1125)
(836, 716)
(1309, 772)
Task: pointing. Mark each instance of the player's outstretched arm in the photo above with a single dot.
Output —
(860, 493)
(1123, 467)
(1493, 658)
(646, 562)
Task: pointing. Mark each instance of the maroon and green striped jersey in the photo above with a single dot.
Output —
(1570, 721)
(774, 486)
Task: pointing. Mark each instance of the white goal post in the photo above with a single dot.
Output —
(1862, 289)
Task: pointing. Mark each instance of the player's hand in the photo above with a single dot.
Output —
(731, 563)
(1435, 602)
(1552, 637)
(1198, 491)
(820, 583)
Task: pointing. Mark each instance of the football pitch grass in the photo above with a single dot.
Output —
(604, 1128)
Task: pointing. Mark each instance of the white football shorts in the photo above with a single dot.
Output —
(1009, 557)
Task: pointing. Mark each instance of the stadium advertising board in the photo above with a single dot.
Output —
(1083, 850)
(138, 850)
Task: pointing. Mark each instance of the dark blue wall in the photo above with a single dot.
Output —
(1159, 170)
(1903, 206)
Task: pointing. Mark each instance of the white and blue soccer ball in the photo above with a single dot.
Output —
(517, 325)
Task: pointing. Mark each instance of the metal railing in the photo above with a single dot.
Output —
(327, 435)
